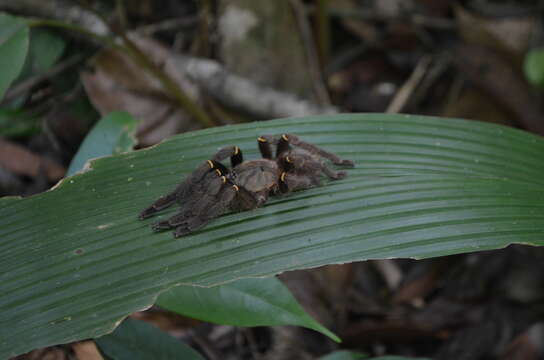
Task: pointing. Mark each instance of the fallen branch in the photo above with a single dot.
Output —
(62, 10)
(20, 161)
(237, 92)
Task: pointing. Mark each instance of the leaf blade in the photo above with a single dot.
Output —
(84, 262)
(137, 340)
(344, 355)
(14, 41)
(113, 134)
(245, 302)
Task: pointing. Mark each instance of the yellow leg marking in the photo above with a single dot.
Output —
(224, 179)
(218, 172)
(236, 187)
(236, 150)
(284, 137)
(261, 139)
(282, 176)
(288, 159)
(210, 164)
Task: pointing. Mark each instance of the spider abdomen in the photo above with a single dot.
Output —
(257, 175)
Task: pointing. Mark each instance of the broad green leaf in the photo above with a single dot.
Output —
(17, 123)
(390, 357)
(534, 67)
(344, 355)
(113, 134)
(350, 355)
(74, 261)
(245, 302)
(45, 49)
(13, 49)
(137, 340)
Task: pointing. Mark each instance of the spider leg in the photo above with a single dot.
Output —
(220, 207)
(265, 143)
(302, 171)
(292, 182)
(162, 203)
(222, 204)
(307, 166)
(177, 220)
(220, 169)
(283, 146)
(233, 152)
(295, 141)
(335, 175)
(207, 205)
(184, 188)
(246, 200)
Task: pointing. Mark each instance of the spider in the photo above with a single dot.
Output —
(213, 190)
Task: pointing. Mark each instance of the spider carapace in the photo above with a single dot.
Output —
(213, 190)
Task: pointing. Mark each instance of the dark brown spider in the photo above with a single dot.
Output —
(213, 190)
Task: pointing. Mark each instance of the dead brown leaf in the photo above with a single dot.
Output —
(19, 160)
(507, 35)
(477, 105)
(529, 345)
(487, 70)
(118, 83)
(174, 324)
(86, 350)
(50, 353)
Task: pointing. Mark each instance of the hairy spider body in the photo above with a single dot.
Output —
(213, 190)
(259, 177)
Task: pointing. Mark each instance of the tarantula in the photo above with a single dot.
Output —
(213, 190)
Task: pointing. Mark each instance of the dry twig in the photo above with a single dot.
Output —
(240, 93)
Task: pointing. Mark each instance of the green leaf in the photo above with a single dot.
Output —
(137, 340)
(113, 134)
(17, 123)
(350, 355)
(245, 302)
(13, 49)
(75, 260)
(343, 355)
(534, 67)
(390, 357)
(45, 49)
